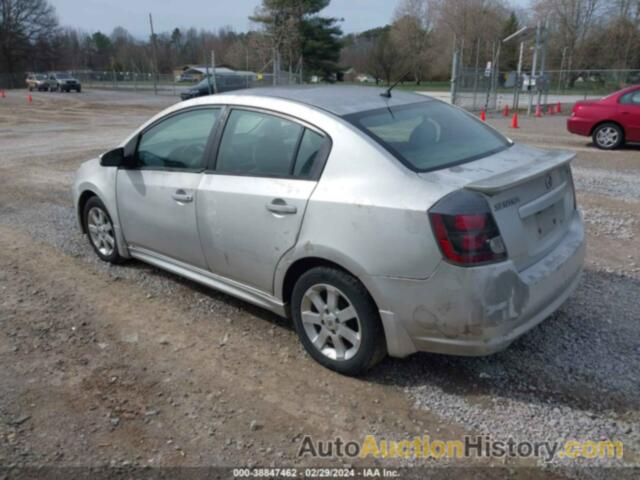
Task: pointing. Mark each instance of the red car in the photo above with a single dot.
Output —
(611, 121)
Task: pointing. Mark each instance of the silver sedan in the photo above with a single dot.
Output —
(380, 225)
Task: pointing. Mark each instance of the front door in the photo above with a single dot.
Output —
(157, 197)
(250, 209)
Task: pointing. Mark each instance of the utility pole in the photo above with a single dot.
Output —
(213, 71)
(533, 68)
(516, 95)
(543, 59)
(454, 71)
(275, 67)
(155, 56)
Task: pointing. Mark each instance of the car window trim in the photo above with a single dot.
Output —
(323, 154)
(205, 154)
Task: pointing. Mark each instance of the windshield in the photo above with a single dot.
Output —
(429, 135)
(39, 76)
(62, 75)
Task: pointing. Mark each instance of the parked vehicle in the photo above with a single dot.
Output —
(379, 225)
(611, 121)
(37, 81)
(63, 82)
(224, 83)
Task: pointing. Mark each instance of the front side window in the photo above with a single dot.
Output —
(260, 144)
(178, 142)
(429, 135)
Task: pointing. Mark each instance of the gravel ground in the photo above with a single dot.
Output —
(576, 376)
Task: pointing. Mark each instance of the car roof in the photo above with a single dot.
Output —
(340, 100)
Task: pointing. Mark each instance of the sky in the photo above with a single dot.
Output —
(104, 15)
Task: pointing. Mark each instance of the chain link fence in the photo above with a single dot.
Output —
(490, 89)
(167, 84)
(162, 84)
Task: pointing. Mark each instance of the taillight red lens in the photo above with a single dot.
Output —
(470, 222)
(465, 229)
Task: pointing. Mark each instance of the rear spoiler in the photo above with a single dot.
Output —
(538, 166)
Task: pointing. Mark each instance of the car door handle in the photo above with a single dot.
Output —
(278, 205)
(181, 196)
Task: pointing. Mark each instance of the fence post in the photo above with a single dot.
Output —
(454, 76)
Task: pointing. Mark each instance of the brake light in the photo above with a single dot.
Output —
(465, 230)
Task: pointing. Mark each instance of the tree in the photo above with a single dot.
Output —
(22, 24)
(385, 58)
(573, 22)
(510, 50)
(102, 51)
(320, 46)
(410, 32)
(295, 29)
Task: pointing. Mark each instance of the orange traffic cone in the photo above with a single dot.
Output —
(29, 99)
(550, 109)
(505, 112)
(483, 115)
(558, 108)
(2, 94)
(538, 111)
(514, 120)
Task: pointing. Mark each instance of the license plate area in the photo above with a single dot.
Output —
(549, 219)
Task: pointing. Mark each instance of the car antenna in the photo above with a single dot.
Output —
(387, 93)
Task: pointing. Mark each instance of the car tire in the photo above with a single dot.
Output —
(608, 136)
(79, 89)
(31, 89)
(337, 321)
(100, 231)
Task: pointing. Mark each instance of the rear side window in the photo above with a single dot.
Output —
(631, 98)
(308, 154)
(260, 144)
(178, 142)
(429, 135)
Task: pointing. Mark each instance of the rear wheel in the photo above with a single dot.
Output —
(608, 136)
(337, 321)
(100, 231)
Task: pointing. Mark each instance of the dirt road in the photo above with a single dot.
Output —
(128, 365)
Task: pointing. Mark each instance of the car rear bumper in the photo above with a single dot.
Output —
(579, 126)
(479, 310)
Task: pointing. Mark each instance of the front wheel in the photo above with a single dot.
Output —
(608, 136)
(337, 321)
(101, 233)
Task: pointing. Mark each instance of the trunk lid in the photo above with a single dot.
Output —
(530, 192)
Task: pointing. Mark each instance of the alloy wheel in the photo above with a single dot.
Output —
(331, 322)
(101, 231)
(607, 137)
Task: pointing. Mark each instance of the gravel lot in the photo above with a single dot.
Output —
(129, 365)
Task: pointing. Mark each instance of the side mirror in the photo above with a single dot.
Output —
(113, 158)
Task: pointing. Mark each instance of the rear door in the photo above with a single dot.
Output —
(629, 115)
(250, 207)
(156, 198)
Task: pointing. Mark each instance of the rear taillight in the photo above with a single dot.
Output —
(465, 230)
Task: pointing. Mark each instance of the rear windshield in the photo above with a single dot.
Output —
(430, 135)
